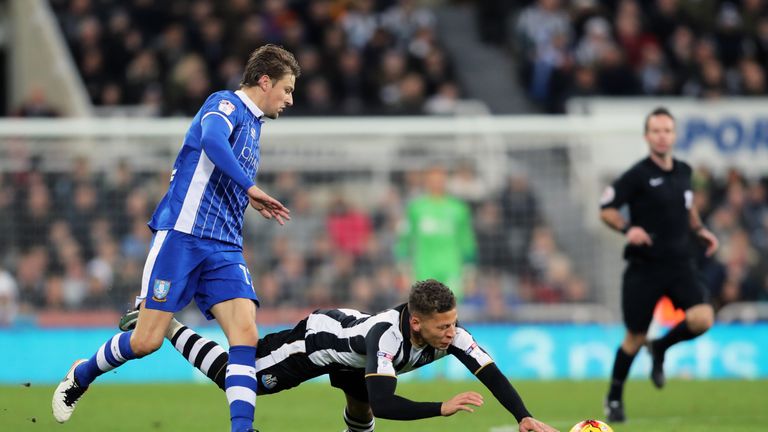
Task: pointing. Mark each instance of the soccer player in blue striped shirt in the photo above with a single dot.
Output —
(196, 251)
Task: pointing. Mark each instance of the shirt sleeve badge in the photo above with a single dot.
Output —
(226, 107)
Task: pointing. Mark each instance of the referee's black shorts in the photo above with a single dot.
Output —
(645, 282)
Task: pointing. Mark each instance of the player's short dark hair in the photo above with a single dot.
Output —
(657, 112)
(272, 61)
(430, 296)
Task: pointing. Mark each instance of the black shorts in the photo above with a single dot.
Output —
(351, 381)
(645, 282)
(282, 363)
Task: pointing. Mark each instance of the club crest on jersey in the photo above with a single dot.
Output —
(226, 107)
(269, 381)
(160, 290)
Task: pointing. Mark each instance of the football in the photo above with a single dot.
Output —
(591, 426)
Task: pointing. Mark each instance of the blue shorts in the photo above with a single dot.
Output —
(181, 266)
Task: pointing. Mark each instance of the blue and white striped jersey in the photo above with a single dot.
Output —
(208, 199)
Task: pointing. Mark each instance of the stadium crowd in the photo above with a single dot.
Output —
(77, 240)
(357, 57)
(697, 48)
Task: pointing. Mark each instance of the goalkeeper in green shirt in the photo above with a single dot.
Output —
(437, 237)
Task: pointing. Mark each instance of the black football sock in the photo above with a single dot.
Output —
(356, 425)
(679, 333)
(206, 355)
(620, 371)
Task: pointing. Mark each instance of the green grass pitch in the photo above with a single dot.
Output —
(684, 406)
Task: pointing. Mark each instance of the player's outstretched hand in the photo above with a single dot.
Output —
(528, 424)
(707, 237)
(638, 237)
(461, 402)
(267, 206)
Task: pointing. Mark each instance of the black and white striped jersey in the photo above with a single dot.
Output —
(380, 344)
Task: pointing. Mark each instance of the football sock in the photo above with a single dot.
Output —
(112, 354)
(240, 383)
(204, 354)
(620, 371)
(678, 333)
(355, 425)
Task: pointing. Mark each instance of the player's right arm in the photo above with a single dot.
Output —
(382, 346)
(613, 198)
(217, 125)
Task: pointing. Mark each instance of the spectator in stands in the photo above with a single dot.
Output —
(35, 105)
(35, 217)
(7, 217)
(348, 227)
(491, 233)
(465, 183)
(360, 23)
(162, 58)
(445, 101)
(31, 272)
(8, 298)
(520, 215)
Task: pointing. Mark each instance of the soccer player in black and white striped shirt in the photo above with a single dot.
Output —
(363, 354)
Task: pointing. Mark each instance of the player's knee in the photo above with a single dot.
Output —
(701, 324)
(633, 342)
(143, 346)
(244, 334)
(701, 319)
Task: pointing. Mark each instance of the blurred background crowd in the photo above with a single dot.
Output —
(357, 57)
(386, 57)
(699, 48)
(77, 240)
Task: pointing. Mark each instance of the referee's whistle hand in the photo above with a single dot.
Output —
(638, 237)
(707, 237)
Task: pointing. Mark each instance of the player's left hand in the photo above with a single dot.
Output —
(528, 424)
(267, 206)
(710, 239)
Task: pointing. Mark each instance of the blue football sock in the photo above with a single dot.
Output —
(112, 354)
(240, 385)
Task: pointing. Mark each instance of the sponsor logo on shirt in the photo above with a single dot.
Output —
(471, 348)
(656, 181)
(226, 107)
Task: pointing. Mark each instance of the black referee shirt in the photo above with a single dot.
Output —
(659, 201)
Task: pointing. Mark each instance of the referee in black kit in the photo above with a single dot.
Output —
(659, 253)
